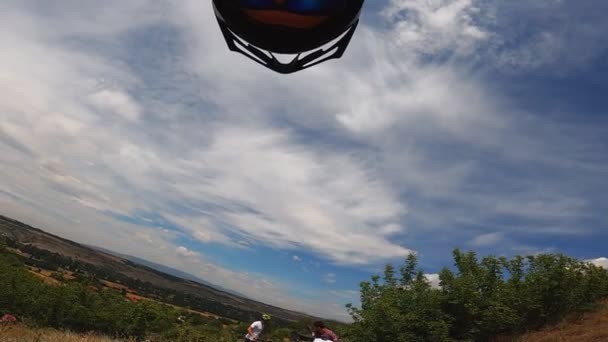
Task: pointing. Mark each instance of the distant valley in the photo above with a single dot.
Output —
(142, 278)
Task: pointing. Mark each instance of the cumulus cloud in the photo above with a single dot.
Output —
(433, 279)
(601, 262)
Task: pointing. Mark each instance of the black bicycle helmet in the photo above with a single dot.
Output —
(288, 27)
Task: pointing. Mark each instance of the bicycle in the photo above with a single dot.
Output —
(297, 337)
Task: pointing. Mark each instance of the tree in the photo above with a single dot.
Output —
(478, 300)
(405, 309)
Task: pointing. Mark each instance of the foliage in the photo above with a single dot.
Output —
(476, 300)
(81, 305)
(44, 259)
(480, 299)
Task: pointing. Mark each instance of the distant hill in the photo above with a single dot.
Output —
(218, 301)
(168, 270)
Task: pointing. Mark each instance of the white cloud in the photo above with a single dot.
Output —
(145, 237)
(296, 258)
(602, 262)
(344, 293)
(562, 43)
(488, 239)
(201, 229)
(433, 279)
(116, 101)
(329, 278)
(304, 206)
(294, 193)
(185, 252)
(430, 27)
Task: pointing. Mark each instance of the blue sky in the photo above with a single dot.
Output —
(448, 123)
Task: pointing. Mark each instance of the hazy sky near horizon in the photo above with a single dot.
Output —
(478, 124)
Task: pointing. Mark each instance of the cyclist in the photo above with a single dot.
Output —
(256, 328)
(322, 332)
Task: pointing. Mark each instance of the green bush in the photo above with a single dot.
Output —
(82, 305)
(479, 300)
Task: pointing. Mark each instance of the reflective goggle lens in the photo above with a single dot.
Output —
(295, 6)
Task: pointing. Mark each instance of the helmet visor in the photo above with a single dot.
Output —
(303, 7)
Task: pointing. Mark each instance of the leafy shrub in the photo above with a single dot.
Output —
(479, 300)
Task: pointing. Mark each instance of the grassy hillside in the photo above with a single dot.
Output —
(69, 301)
(44, 250)
(23, 333)
(588, 327)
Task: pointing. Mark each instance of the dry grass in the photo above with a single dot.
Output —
(18, 252)
(21, 333)
(589, 327)
(113, 285)
(46, 277)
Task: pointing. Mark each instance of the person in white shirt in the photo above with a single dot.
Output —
(256, 328)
